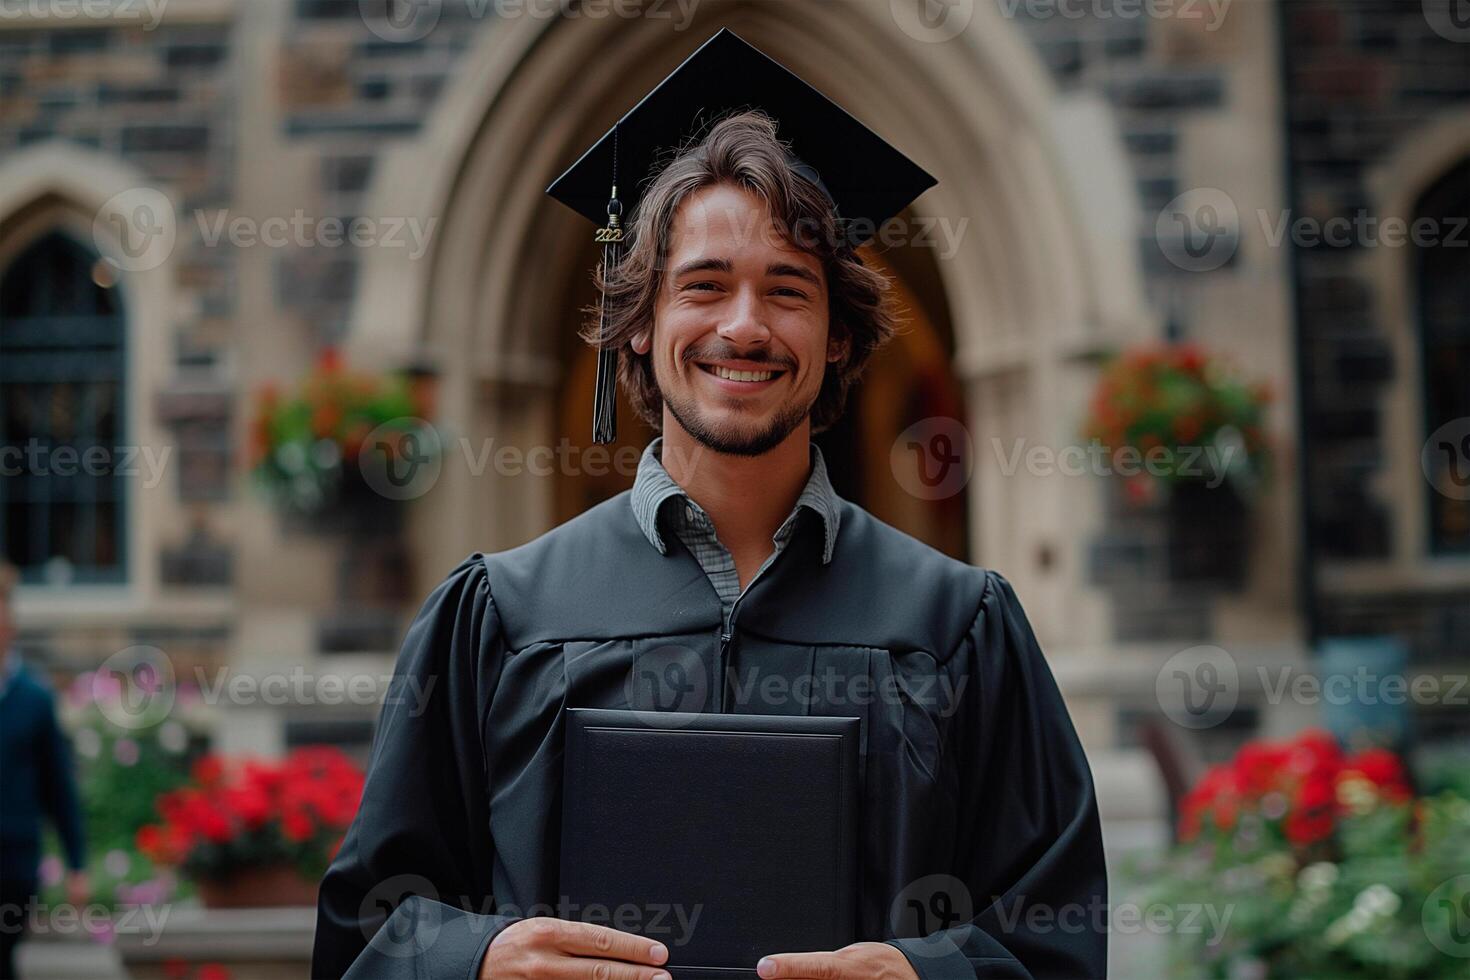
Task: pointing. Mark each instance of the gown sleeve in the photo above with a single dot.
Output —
(1030, 853)
(409, 892)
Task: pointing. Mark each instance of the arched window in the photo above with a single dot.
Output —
(62, 430)
(1442, 278)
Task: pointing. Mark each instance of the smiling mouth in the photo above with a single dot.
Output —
(748, 376)
(730, 374)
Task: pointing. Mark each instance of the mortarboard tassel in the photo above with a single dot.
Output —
(605, 396)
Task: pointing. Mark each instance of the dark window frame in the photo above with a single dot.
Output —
(46, 291)
(1447, 197)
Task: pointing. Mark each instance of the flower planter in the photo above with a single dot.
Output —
(354, 508)
(1208, 534)
(261, 887)
(241, 828)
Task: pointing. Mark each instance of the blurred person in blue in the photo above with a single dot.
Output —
(35, 782)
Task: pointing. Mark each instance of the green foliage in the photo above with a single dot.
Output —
(1168, 403)
(1362, 910)
(119, 772)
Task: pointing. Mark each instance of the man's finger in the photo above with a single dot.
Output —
(589, 939)
(587, 968)
(807, 966)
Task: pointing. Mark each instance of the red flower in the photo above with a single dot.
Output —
(1381, 768)
(1316, 793)
(297, 826)
(1314, 810)
(1260, 765)
(1292, 784)
(353, 440)
(208, 770)
(214, 824)
(325, 419)
(250, 803)
(1314, 750)
(1304, 828)
(292, 800)
(151, 841)
(1217, 795)
(1189, 358)
(1139, 490)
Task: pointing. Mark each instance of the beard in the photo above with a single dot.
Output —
(733, 438)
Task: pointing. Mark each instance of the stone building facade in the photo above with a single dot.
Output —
(1065, 133)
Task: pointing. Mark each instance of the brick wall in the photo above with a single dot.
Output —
(1361, 75)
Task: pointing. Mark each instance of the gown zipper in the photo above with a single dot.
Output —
(727, 632)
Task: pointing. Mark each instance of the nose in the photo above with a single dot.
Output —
(745, 325)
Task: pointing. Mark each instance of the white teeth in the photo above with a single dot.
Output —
(742, 375)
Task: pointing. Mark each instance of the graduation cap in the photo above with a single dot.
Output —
(866, 180)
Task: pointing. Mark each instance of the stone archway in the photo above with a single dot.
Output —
(1024, 287)
(1422, 157)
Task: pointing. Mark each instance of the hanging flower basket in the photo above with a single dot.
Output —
(1208, 533)
(1186, 436)
(329, 454)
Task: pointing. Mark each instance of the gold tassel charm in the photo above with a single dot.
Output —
(605, 396)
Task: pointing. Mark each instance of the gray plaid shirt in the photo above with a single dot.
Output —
(654, 489)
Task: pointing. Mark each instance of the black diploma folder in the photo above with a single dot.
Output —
(725, 837)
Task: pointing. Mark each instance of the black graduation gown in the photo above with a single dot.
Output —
(981, 847)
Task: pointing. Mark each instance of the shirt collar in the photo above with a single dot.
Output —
(653, 486)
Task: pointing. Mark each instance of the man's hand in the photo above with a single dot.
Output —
(860, 961)
(547, 947)
(78, 888)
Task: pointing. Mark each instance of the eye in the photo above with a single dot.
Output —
(791, 291)
(704, 285)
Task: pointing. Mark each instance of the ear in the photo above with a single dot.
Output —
(838, 349)
(642, 342)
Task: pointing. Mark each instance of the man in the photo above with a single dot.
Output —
(729, 579)
(35, 781)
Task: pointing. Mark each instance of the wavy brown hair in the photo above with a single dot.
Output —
(742, 150)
